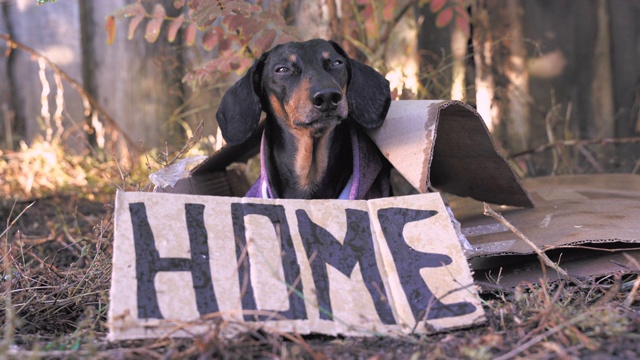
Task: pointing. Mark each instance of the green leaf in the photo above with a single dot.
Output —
(205, 13)
(234, 22)
(241, 7)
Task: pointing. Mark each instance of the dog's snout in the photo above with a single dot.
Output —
(326, 100)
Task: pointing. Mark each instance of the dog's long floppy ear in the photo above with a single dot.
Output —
(240, 108)
(368, 93)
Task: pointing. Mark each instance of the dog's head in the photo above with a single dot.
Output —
(311, 86)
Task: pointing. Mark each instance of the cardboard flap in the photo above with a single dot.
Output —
(445, 144)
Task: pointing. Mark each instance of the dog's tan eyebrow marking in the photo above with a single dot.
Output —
(325, 54)
(293, 58)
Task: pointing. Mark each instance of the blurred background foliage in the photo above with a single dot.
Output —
(112, 88)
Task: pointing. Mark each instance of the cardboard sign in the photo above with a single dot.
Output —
(185, 264)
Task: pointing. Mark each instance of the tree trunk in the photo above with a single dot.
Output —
(510, 63)
(434, 47)
(87, 34)
(601, 87)
(625, 55)
(312, 18)
(486, 103)
(10, 131)
(458, 52)
(401, 58)
(135, 82)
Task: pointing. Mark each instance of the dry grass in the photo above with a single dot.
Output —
(57, 264)
(56, 258)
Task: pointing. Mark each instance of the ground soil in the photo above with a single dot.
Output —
(57, 261)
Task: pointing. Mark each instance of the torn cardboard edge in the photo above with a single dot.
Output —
(439, 143)
(587, 223)
(446, 144)
(184, 264)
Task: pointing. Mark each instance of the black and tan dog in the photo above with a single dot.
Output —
(317, 100)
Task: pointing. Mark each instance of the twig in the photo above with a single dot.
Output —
(9, 329)
(611, 293)
(542, 336)
(86, 97)
(543, 257)
(16, 219)
(590, 158)
(636, 284)
(573, 142)
(547, 248)
(111, 353)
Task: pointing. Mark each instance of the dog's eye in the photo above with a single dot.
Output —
(337, 63)
(282, 69)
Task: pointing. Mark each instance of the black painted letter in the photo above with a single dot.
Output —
(357, 248)
(409, 262)
(149, 262)
(290, 266)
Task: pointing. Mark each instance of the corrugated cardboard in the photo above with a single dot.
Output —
(445, 144)
(584, 222)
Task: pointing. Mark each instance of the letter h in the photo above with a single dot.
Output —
(149, 262)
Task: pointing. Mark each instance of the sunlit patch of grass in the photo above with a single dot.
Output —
(47, 168)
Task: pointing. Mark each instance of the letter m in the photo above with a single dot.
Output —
(323, 249)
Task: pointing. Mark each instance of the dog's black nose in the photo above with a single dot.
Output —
(326, 100)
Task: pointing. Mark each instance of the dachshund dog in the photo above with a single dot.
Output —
(316, 100)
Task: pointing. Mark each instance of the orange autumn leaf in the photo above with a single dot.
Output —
(173, 27)
(444, 17)
(190, 35)
(110, 27)
(155, 24)
(436, 5)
